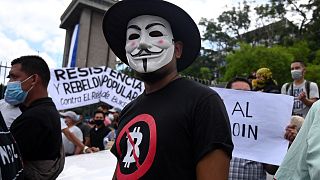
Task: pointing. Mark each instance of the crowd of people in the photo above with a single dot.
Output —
(92, 135)
(305, 93)
(176, 129)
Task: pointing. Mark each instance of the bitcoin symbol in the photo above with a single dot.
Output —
(136, 137)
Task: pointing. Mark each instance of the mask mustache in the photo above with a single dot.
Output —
(146, 51)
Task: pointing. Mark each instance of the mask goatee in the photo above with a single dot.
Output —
(145, 64)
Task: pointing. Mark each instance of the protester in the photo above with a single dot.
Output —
(84, 127)
(12, 112)
(112, 112)
(264, 81)
(71, 119)
(10, 161)
(293, 128)
(9, 112)
(239, 83)
(302, 160)
(105, 109)
(244, 169)
(80, 147)
(305, 93)
(108, 141)
(178, 128)
(37, 130)
(98, 132)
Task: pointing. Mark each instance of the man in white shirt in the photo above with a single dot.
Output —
(9, 112)
(71, 119)
(305, 93)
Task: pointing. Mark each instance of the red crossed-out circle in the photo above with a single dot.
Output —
(145, 166)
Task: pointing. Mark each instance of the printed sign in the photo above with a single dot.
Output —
(75, 87)
(258, 121)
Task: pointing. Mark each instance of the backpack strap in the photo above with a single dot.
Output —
(287, 88)
(308, 88)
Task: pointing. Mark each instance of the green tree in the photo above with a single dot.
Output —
(202, 67)
(312, 73)
(248, 59)
(236, 21)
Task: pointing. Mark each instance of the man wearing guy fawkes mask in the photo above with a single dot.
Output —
(176, 129)
(305, 93)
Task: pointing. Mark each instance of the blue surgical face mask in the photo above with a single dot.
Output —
(14, 94)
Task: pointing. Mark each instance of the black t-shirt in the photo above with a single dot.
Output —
(10, 161)
(85, 129)
(97, 135)
(163, 135)
(38, 131)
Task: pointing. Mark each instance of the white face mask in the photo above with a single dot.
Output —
(296, 74)
(111, 117)
(149, 44)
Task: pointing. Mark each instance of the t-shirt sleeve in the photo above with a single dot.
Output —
(63, 124)
(86, 132)
(314, 91)
(283, 88)
(211, 129)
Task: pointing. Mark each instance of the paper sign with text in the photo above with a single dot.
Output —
(258, 121)
(75, 87)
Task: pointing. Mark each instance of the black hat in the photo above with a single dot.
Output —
(184, 29)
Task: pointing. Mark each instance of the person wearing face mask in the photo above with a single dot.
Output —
(112, 112)
(98, 132)
(177, 128)
(305, 93)
(111, 136)
(37, 130)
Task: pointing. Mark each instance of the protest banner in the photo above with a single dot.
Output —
(75, 87)
(258, 121)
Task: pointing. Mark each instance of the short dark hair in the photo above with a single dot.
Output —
(299, 61)
(33, 64)
(237, 79)
(97, 112)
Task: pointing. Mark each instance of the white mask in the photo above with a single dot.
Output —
(111, 117)
(296, 74)
(149, 44)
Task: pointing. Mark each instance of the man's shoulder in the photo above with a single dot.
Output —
(193, 86)
(312, 84)
(285, 85)
(74, 128)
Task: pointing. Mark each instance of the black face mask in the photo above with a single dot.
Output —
(98, 122)
(151, 77)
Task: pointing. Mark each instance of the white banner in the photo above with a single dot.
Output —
(258, 121)
(75, 87)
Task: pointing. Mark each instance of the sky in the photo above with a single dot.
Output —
(31, 27)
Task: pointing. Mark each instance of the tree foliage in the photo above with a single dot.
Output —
(235, 50)
(248, 59)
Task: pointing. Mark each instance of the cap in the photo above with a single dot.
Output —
(113, 110)
(70, 114)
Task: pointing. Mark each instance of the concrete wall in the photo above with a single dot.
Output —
(93, 49)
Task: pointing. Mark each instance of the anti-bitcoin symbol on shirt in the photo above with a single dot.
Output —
(134, 139)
